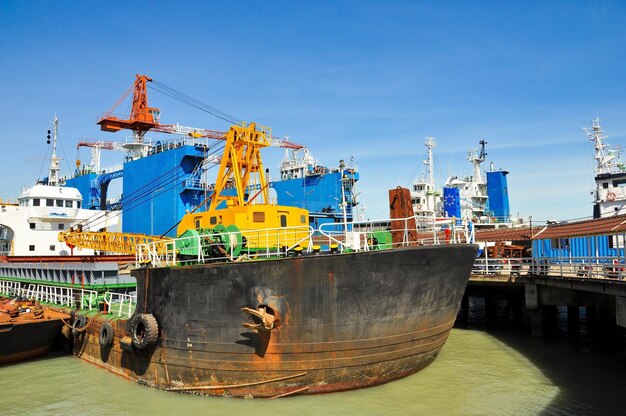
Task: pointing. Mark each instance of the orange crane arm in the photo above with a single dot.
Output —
(142, 117)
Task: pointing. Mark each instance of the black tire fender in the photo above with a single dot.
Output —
(144, 330)
(79, 322)
(105, 337)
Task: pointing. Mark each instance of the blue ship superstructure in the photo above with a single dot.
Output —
(85, 181)
(328, 194)
(93, 187)
(161, 187)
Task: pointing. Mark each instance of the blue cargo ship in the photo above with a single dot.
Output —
(328, 194)
(163, 181)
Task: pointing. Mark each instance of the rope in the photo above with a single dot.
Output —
(184, 98)
(87, 325)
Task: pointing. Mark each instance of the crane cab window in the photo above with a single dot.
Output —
(196, 222)
(213, 220)
(283, 220)
(303, 219)
(258, 217)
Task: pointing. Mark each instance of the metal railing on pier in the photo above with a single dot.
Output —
(595, 268)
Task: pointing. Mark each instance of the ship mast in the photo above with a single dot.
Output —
(53, 176)
(604, 157)
(476, 160)
(430, 144)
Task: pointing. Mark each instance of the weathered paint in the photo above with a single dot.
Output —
(344, 322)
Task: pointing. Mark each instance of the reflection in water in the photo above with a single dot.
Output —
(500, 371)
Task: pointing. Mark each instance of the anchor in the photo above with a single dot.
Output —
(263, 320)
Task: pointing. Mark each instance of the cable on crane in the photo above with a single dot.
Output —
(164, 89)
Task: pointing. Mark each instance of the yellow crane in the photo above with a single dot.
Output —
(240, 173)
(108, 241)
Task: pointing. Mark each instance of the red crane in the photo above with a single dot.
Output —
(144, 118)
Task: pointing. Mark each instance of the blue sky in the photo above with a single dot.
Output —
(368, 79)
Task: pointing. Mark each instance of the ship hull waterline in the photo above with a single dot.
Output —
(343, 321)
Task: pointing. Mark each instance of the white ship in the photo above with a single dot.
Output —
(473, 195)
(610, 171)
(481, 197)
(29, 229)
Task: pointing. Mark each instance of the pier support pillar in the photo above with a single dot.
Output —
(532, 296)
(620, 311)
(490, 309)
(573, 319)
(536, 322)
(517, 312)
(463, 316)
(536, 312)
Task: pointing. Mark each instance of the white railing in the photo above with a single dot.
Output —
(10, 288)
(264, 243)
(109, 169)
(276, 242)
(56, 294)
(61, 295)
(120, 303)
(117, 303)
(443, 231)
(578, 267)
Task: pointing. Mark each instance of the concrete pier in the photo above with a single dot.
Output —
(604, 300)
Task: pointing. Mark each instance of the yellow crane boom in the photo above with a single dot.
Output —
(108, 241)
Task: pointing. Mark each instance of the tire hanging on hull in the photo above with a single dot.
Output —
(144, 330)
(105, 337)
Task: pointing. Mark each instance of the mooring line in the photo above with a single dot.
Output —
(234, 386)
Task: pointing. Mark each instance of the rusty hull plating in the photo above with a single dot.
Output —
(304, 325)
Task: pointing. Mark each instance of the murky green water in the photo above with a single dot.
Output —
(477, 373)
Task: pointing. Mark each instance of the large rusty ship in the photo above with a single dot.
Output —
(250, 301)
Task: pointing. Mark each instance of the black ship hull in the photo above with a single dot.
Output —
(340, 322)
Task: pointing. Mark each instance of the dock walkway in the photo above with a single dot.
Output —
(598, 283)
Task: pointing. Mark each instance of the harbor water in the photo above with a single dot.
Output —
(495, 371)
